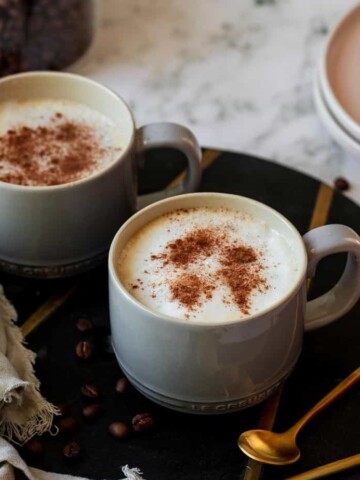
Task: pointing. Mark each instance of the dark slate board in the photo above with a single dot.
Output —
(184, 446)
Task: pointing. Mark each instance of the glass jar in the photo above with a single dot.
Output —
(44, 34)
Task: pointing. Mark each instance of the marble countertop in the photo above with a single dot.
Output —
(238, 73)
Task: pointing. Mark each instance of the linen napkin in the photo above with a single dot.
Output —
(12, 467)
(23, 411)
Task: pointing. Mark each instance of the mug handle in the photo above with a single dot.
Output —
(319, 243)
(170, 135)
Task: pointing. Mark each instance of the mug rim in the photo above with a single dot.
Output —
(104, 171)
(203, 323)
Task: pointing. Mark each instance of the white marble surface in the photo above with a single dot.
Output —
(239, 73)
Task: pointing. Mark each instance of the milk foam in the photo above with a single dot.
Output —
(45, 113)
(143, 272)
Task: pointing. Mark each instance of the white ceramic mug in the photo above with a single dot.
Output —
(52, 231)
(201, 367)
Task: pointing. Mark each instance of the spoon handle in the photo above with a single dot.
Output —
(327, 400)
(328, 469)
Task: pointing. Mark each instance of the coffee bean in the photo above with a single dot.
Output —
(342, 184)
(90, 391)
(84, 325)
(119, 430)
(92, 411)
(122, 385)
(71, 450)
(67, 425)
(34, 447)
(84, 350)
(142, 422)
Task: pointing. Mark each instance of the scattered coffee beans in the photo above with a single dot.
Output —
(84, 325)
(119, 430)
(341, 183)
(122, 385)
(92, 411)
(142, 422)
(90, 391)
(67, 425)
(71, 450)
(34, 447)
(84, 350)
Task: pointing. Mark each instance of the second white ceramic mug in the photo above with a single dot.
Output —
(217, 367)
(52, 231)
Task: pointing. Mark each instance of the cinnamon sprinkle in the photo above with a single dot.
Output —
(61, 152)
(240, 268)
(237, 255)
(242, 273)
(196, 244)
(188, 289)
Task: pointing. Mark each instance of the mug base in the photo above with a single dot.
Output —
(204, 408)
(53, 271)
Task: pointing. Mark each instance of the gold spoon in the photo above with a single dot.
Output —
(280, 448)
(328, 469)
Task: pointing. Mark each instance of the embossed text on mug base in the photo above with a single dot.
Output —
(58, 271)
(234, 405)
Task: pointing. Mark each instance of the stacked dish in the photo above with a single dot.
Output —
(337, 83)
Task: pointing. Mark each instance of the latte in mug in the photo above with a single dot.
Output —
(47, 142)
(207, 265)
(69, 156)
(207, 298)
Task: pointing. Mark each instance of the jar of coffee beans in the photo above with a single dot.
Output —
(44, 34)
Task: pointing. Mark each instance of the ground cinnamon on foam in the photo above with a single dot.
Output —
(61, 152)
(240, 268)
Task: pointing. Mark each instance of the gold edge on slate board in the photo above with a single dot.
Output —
(321, 210)
(253, 469)
(209, 156)
(59, 298)
(266, 422)
(322, 206)
(46, 309)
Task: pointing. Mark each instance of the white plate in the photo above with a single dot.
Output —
(339, 134)
(339, 72)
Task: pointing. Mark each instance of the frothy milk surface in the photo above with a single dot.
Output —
(207, 264)
(51, 142)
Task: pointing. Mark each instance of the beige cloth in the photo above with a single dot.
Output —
(23, 411)
(12, 467)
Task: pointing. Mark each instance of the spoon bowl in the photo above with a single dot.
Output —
(268, 447)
